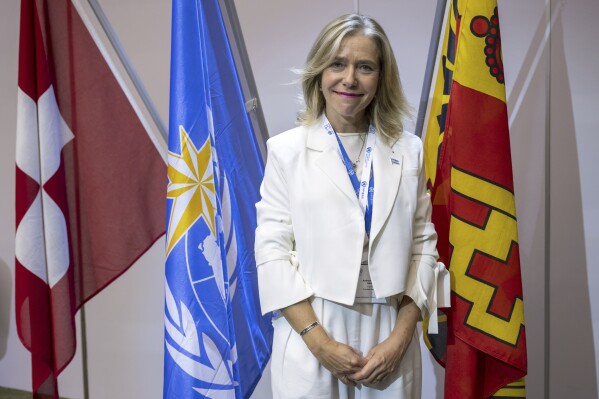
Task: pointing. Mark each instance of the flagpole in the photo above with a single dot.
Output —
(118, 48)
(430, 65)
(84, 353)
(547, 337)
(244, 71)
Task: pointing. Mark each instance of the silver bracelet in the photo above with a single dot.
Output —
(311, 326)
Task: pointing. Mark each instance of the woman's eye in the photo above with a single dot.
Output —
(337, 65)
(366, 68)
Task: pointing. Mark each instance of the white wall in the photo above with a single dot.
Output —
(125, 322)
(574, 310)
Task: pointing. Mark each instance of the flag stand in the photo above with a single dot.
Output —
(430, 65)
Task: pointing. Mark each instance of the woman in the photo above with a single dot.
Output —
(345, 248)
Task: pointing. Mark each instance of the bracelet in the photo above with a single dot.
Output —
(311, 326)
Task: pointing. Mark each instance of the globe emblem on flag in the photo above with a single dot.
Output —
(202, 241)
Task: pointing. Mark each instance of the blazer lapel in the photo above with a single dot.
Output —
(328, 160)
(387, 166)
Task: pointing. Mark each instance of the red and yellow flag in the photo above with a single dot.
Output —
(468, 149)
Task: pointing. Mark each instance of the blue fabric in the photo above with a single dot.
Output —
(216, 341)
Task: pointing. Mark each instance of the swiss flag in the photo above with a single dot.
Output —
(90, 183)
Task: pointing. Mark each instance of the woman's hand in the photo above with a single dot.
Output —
(340, 359)
(383, 360)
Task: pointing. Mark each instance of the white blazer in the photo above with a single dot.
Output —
(310, 232)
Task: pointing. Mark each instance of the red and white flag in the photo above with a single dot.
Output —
(90, 183)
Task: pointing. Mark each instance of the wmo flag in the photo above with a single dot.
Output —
(216, 341)
(467, 144)
(89, 183)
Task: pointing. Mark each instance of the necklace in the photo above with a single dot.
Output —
(355, 163)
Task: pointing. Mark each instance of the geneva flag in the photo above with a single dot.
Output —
(216, 341)
(467, 145)
(89, 183)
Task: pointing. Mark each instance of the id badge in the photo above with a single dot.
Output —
(365, 292)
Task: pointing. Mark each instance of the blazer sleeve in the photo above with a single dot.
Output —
(279, 281)
(428, 281)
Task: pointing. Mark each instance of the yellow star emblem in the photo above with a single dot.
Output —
(191, 186)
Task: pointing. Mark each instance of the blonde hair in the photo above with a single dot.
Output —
(388, 108)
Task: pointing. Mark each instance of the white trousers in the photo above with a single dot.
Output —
(297, 374)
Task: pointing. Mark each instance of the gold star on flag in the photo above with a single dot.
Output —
(191, 186)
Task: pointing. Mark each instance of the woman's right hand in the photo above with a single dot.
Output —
(340, 359)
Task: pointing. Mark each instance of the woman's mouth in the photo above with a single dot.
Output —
(348, 95)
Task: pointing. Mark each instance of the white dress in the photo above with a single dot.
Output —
(296, 373)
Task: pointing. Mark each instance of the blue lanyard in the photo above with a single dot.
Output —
(356, 184)
(367, 172)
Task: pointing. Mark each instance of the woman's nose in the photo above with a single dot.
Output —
(349, 78)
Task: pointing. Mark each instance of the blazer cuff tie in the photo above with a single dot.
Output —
(440, 297)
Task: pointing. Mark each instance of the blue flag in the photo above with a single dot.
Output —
(216, 341)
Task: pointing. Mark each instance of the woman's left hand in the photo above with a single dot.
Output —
(383, 360)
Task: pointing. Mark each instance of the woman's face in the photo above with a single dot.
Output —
(349, 84)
